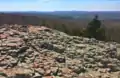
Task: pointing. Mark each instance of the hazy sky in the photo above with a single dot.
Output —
(59, 5)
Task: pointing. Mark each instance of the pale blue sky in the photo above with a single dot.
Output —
(59, 5)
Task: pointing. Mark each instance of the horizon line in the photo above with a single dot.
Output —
(62, 11)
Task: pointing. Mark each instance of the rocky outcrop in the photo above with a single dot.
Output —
(52, 54)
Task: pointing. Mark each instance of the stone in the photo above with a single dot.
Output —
(47, 46)
(66, 71)
(81, 46)
(47, 72)
(40, 70)
(3, 36)
(105, 62)
(60, 59)
(23, 49)
(14, 62)
(12, 45)
(21, 76)
(54, 69)
(48, 77)
(37, 75)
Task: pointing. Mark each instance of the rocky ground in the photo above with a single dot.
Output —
(49, 53)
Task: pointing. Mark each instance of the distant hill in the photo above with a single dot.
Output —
(69, 18)
(37, 18)
(104, 15)
(17, 19)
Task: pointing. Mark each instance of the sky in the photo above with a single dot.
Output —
(59, 5)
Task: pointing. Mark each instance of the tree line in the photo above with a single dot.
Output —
(93, 30)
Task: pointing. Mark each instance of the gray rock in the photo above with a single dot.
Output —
(21, 76)
(60, 59)
(23, 49)
(37, 75)
(40, 71)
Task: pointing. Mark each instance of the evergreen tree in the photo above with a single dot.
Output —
(94, 29)
(43, 23)
(55, 26)
(64, 28)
